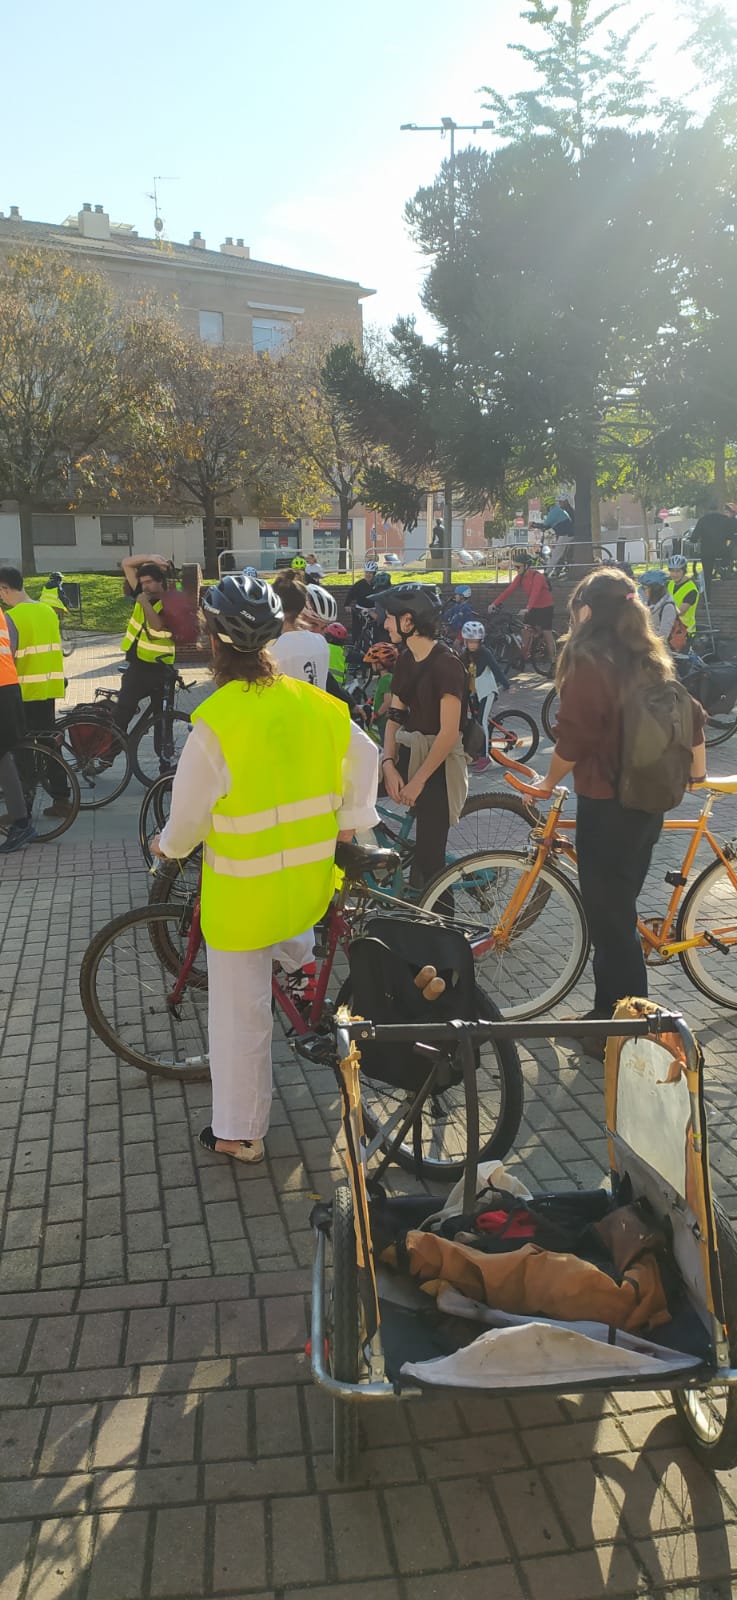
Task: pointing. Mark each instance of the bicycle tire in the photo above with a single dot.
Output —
(343, 1332)
(549, 713)
(143, 1018)
(717, 1453)
(700, 965)
(83, 768)
(504, 721)
(718, 731)
(175, 886)
(144, 762)
(153, 814)
(486, 881)
(37, 789)
(492, 821)
(539, 659)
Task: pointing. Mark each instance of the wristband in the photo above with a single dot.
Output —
(388, 761)
(701, 779)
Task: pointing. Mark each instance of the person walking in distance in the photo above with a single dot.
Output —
(424, 765)
(611, 658)
(40, 666)
(19, 830)
(148, 647)
(271, 776)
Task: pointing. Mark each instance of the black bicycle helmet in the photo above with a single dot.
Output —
(522, 558)
(243, 612)
(421, 600)
(55, 577)
(383, 580)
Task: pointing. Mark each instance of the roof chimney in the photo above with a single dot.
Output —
(237, 249)
(94, 224)
(14, 212)
(197, 242)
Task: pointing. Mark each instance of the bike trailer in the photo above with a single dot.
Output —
(631, 1285)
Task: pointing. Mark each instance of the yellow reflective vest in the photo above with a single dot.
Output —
(38, 658)
(149, 646)
(268, 870)
(678, 591)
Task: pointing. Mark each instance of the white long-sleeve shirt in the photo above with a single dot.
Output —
(202, 778)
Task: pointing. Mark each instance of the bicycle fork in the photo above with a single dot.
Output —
(194, 945)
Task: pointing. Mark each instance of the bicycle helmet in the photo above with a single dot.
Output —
(382, 656)
(473, 630)
(243, 612)
(336, 633)
(465, 592)
(55, 577)
(522, 558)
(250, 572)
(298, 564)
(419, 599)
(382, 581)
(370, 566)
(654, 580)
(321, 603)
(677, 563)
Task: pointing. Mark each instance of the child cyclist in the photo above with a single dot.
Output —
(485, 678)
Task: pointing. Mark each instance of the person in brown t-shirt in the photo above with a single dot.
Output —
(610, 647)
(428, 690)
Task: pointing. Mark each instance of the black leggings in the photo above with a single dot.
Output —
(142, 680)
(614, 848)
(431, 826)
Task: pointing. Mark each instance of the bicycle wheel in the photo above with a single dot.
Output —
(176, 883)
(125, 988)
(549, 713)
(443, 1129)
(343, 1331)
(720, 728)
(708, 1416)
(491, 822)
(153, 814)
(531, 969)
(98, 755)
(710, 907)
(515, 734)
(540, 658)
(47, 783)
(157, 744)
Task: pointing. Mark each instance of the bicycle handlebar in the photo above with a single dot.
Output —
(531, 789)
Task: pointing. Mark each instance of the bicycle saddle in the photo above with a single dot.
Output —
(354, 861)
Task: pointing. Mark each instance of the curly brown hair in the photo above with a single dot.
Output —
(618, 633)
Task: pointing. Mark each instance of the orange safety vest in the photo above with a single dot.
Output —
(8, 672)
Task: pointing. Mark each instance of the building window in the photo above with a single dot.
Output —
(50, 527)
(270, 335)
(223, 534)
(116, 530)
(211, 327)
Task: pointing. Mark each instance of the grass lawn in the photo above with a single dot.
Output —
(104, 606)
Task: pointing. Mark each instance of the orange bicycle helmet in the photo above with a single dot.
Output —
(383, 656)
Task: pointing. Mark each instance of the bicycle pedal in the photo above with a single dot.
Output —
(318, 1049)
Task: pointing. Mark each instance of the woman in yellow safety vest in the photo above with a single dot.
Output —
(273, 773)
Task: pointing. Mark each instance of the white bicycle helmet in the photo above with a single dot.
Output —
(473, 630)
(250, 572)
(370, 566)
(677, 563)
(321, 603)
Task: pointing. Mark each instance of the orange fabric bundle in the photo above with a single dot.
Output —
(534, 1282)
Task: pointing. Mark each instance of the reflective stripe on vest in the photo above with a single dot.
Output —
(677, 592)
(268, 870)
(149, 646)
(38, 658)
(8, 669)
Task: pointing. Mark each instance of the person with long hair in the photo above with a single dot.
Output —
(273, 773)
(610, 654)
(298, 652)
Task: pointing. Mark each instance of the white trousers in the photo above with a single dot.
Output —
(239, 1025)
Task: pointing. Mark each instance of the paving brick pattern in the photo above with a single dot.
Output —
(160, 1435)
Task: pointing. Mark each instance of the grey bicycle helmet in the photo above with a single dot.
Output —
(677, 563)
(243, 612)
(419, 599)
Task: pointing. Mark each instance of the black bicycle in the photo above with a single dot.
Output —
(103, 758)
(50, 790)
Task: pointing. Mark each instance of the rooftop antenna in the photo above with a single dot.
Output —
(160, 177)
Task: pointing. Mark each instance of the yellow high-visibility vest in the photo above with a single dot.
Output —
(150, 646)
(677, 592)
(268, 870)
(38, 658)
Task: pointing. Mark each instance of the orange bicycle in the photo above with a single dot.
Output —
(538, 940)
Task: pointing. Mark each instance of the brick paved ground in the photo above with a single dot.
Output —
(161, 1436)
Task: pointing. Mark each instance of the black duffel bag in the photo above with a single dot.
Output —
(714, 686)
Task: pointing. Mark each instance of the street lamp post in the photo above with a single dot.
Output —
(448, 125)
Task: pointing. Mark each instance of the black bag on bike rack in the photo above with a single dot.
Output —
(384, 963)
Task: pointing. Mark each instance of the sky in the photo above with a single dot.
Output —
(277, 122)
